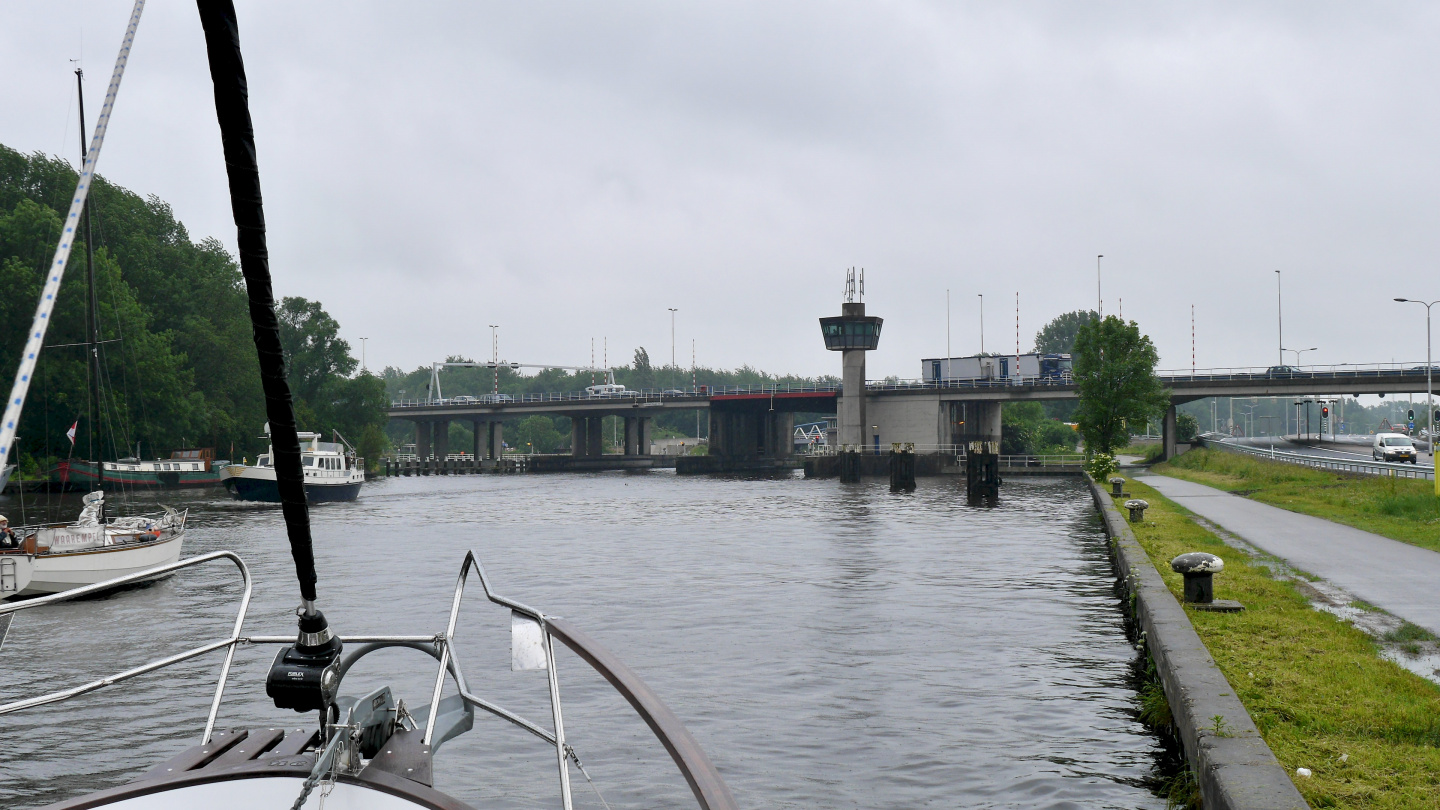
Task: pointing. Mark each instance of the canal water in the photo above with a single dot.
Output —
(829, 645)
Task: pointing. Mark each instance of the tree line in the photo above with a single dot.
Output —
(178, 363)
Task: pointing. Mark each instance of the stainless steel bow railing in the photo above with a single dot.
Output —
(709, 789)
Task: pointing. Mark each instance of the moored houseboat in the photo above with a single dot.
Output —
(193, 467)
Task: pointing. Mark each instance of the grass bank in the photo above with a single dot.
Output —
(1400, 508)
(1320, 694)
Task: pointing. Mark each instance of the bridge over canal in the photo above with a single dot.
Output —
(757, 422)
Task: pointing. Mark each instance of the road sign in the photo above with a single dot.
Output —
(1412, 425)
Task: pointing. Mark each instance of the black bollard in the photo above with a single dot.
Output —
(1199, 569)
(982, 470)
(902, 467)
(849, 465)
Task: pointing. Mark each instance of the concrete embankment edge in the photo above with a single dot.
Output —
(1235, 769)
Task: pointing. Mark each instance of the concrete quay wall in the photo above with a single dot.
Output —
(1235, 769)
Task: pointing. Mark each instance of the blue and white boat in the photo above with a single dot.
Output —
(332, 473)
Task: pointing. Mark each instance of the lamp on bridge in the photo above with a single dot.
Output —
(853, 334)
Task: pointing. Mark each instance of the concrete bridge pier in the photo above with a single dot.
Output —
(495, 441)
(422, 439)
(586, 436)
(1168, 433)
(637, 435)
(779, 434)
(442, 439)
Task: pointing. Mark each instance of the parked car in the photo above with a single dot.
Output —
(1393, 447)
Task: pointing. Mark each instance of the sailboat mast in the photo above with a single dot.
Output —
(92, 310)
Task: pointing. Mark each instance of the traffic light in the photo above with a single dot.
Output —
(1412, 415)
(1324, 411)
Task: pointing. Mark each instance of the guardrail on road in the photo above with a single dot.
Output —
(1360, 466)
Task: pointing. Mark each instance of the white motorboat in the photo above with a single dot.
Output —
(61, 556)
(332, 472)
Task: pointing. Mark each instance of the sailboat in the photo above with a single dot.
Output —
(367, 751)
(60, 556)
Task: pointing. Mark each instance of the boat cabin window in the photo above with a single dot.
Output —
(263, 461)
(309, 461)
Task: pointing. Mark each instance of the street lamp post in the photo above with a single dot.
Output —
(495, 357)
(672, 346)
(1298, 352)
(1429, 394)
(982, 323)
(362, 354)
(1099, 299)
(1279, 320)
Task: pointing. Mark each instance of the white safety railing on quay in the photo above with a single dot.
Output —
(1359, 466)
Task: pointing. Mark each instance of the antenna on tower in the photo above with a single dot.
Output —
(862, 284)
(850, 286)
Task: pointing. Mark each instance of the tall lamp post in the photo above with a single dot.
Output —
(1280, 321)
(982, 323)
(1099, 299)
(1429, 395)
(495, 358)
(672, 346)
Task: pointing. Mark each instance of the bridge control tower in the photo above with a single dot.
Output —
(853, 334)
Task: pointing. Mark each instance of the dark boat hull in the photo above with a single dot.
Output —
(267, 491)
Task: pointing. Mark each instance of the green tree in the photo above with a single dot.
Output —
(538, 434)
(1058, 336)
(314, 352)
(1115, 377)
(1186, 426)
(642, 376)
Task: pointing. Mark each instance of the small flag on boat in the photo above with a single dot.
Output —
(70, 434)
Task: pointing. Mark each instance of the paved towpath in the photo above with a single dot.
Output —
(1398, 577)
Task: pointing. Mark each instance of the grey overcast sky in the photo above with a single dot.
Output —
(571, 170)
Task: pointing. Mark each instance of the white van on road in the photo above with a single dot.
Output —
(1393, 447)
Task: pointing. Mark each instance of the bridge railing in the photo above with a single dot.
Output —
(1361, 466)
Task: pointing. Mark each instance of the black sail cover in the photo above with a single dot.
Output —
(232, 106)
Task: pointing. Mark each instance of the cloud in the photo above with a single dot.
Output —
(571, 170)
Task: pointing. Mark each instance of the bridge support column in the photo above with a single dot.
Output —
(632, 435)
(477, 426)
(422, 440)
(642, 435)
(852, 398)
(1168, 433)
(495, 441)
(578, 440)
(779, 434)
(442, 439)
(594, 436)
